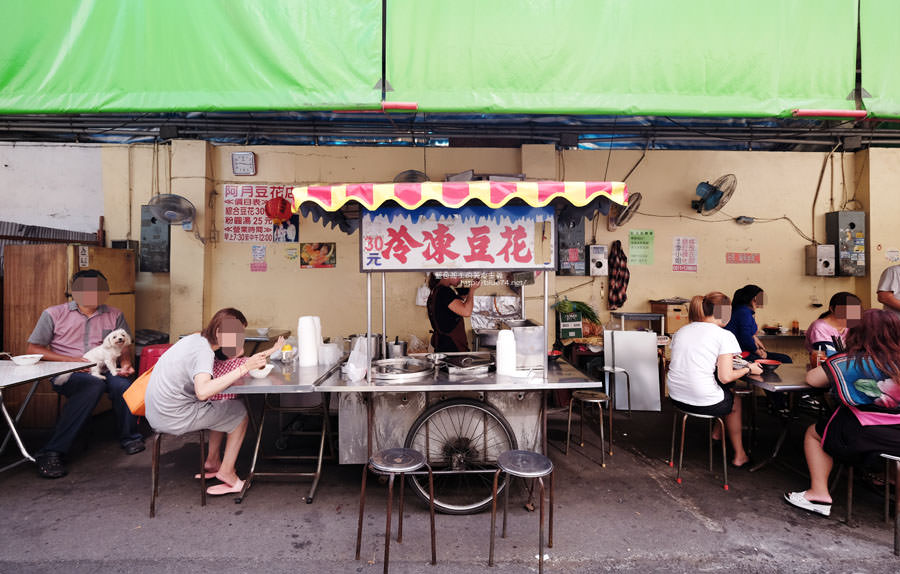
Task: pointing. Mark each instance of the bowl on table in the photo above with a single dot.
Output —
(263, 332)
(768, 365)
(554, 354)
(23, 360)
(263, 372)
(771, 330)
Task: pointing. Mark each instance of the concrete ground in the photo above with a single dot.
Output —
(630, 516)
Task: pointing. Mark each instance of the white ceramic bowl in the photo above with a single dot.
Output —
(263, 372)
(263, 331)
(22, 360)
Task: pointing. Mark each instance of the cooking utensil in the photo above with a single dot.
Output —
(374, 344)
(401, 369)
(396, 349)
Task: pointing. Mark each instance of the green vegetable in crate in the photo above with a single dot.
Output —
(566, 306)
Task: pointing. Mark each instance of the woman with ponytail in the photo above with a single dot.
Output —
(703, 355)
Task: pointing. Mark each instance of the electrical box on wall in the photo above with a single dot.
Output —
(820, 260)
(597, 260)
(846, 231)
(570, 239)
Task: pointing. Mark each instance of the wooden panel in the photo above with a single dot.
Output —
(34, 279)
(125, 304)
(116, 264)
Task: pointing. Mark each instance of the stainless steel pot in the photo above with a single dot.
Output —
(374, 344)
(396, 349)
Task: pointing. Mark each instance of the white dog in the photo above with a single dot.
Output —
(107, 354)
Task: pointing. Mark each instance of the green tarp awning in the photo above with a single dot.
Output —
(82, 56)
(641, 57)
(636, 57)
(879, 47)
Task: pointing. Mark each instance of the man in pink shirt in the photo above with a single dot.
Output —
(64, 333)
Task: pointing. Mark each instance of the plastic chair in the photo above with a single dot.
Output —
(154, 470)
(524, 464)
(684, 418)
(393, 462)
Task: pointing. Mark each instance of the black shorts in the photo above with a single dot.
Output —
(844, 438)
(720, 409)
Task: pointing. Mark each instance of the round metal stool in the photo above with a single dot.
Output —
(393, 462)
(524, 464)
(685, 415)
(595, 398)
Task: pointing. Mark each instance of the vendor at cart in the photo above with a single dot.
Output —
(447, 305)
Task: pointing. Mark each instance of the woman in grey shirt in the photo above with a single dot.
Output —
(177, 399)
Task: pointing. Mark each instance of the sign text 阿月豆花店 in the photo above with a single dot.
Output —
(244, 212)
(441, 238)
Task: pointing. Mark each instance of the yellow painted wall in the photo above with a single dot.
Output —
(770, 185)
(128, 183)
(883, 181)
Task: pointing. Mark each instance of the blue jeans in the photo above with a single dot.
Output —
(83, 392)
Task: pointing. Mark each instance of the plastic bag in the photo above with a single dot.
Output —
(416, 345)
(356, 365)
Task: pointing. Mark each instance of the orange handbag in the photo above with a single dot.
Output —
(134, 395)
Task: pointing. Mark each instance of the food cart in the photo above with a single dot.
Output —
(462, 421)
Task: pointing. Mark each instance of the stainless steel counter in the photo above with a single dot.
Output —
(289, 378)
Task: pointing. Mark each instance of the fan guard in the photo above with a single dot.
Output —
(619, 216)
(173, 209)
(714, 196)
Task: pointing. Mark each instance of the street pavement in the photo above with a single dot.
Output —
(628, 517)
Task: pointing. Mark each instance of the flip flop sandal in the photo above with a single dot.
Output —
(225, 488)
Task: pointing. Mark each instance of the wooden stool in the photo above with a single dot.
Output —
(154, 470)
(524, 464)
(685, 415)
(393, 462)
(589, 397)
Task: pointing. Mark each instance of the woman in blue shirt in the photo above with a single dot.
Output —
(743, 324)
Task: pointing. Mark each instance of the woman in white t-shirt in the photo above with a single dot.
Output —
(703, 360)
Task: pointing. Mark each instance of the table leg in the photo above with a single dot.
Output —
(12, 431)
(544, 422)
(785, 423)
(262, 420)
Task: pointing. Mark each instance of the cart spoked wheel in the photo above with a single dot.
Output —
(462, 439)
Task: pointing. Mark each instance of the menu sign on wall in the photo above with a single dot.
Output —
(245, 214)
(684, 254)
(468, 238)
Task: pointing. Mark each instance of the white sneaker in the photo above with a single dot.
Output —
(799, 500)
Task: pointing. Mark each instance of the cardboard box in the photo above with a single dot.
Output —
(676, 314)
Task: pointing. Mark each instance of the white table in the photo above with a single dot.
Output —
(12, 375)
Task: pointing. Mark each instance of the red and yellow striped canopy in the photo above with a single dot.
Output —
(457, 193)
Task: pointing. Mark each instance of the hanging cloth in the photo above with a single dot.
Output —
(618, 276)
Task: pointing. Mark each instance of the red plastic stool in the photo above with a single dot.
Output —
(150, 354)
